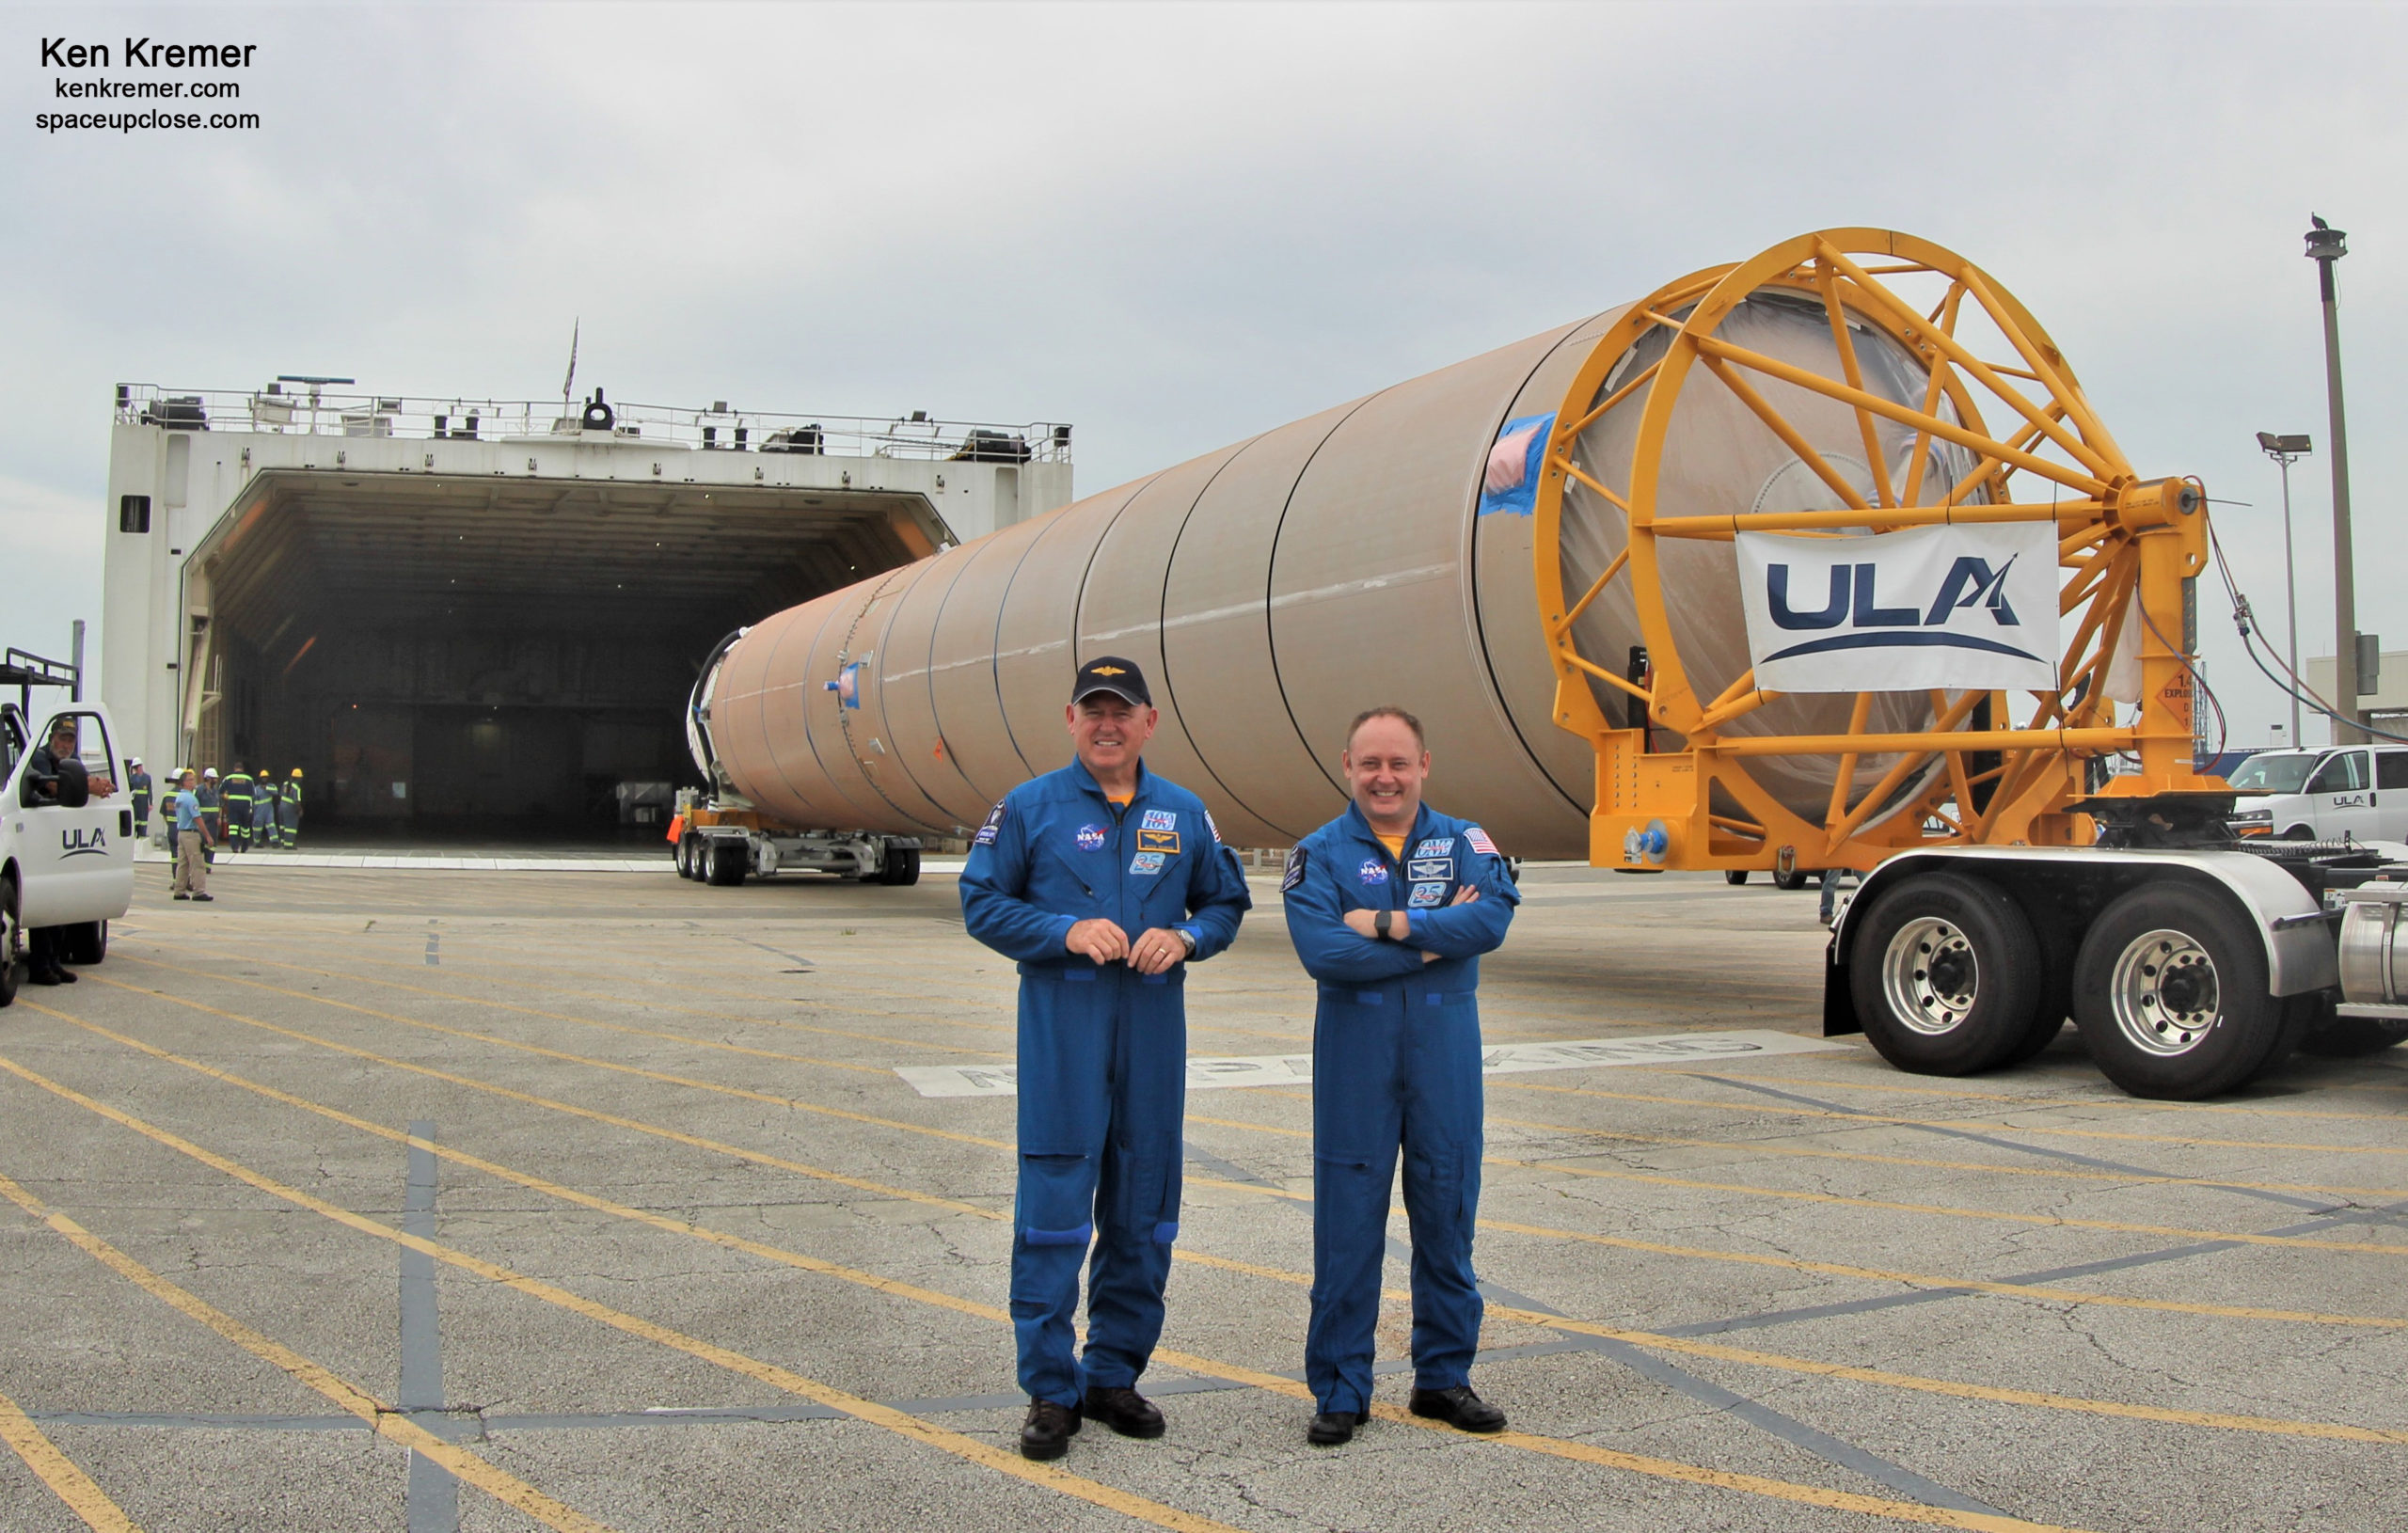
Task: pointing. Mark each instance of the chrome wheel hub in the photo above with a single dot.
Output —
(2166, 994)
(1930, 976)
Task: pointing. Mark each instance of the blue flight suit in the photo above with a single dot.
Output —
(1102, 1055)
(1396, 1062)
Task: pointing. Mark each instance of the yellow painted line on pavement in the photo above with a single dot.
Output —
(1950, 1211)
(1789, 1110)
(2020, 1104)
(901, 1423)
(1655, 1340)
(825, 968)
(555, 1016)
(1690, 1253)
(498, 1483)
(593, 1114)
(563, 1055)
(1559, 1448)
(1928, 1280)
(2120, 1179)
(1641, 1463)
(74, 1488)
(452, 959)
(2057, 1221)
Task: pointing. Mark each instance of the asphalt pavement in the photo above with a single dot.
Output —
(436, 1199)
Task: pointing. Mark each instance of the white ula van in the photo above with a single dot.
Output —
(2324, 793)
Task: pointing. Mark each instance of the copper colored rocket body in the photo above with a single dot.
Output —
(1272, 590)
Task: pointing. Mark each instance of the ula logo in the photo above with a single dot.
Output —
(84, 843)
(1853, 602)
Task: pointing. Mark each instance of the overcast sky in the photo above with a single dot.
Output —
(1177, 225)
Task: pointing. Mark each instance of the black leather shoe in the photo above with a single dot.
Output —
(1458, 1408)
(1048, 1430)
(62, 976)
(1331, 1428)
(48, 976)
(1125, 1411)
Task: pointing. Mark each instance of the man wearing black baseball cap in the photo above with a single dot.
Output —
(1063, 871)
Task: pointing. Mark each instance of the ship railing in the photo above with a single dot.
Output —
(305, 410)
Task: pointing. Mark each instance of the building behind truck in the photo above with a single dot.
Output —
(465, 615)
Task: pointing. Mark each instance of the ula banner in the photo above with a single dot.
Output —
(1966, 606)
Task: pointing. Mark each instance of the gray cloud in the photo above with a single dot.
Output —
(1175, 224)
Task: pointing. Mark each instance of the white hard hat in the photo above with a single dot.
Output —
(209, 771)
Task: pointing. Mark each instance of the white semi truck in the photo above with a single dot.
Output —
(65, 827)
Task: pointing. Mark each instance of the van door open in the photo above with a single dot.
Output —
(79, 859)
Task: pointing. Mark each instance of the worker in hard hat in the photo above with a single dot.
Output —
(213, 805)
(264, 801)
(137, 783)
(1104, 881)
(191, 839)
(236, 791)
(1390, 906)
(288, 812)
(167, 813)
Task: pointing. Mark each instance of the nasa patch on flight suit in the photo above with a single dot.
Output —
(1373, 871)
(1145, 864)
(1295, 874)
(1424, 896)
(1091, 838)
(986, 836)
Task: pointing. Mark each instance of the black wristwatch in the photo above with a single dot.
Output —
(1380, 924)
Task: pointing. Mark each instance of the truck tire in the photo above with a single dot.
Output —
(1945, 973)
(1734, 876)
(2170, 992)
(689, 848)
(727, 861)
(902, 869)
(86, 941)
(2059, 945)
(11, 939)
(1792, 880)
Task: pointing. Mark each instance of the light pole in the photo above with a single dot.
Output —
(2324, 248)
(2287, 450)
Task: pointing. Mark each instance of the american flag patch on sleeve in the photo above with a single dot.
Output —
(1480, 841)
(1209, 825)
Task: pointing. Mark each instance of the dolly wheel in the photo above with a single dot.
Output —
(2170, 992)
(1945, 974)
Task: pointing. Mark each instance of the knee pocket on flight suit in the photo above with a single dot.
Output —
(1144, 1202)
(1444, 1183)
(1057, 1204)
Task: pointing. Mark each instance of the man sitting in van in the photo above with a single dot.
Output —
(43, 780)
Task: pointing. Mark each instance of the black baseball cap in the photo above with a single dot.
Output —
(1110, 673)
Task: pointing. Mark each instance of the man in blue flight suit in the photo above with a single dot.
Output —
(1390, 906)
(1065, 869)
